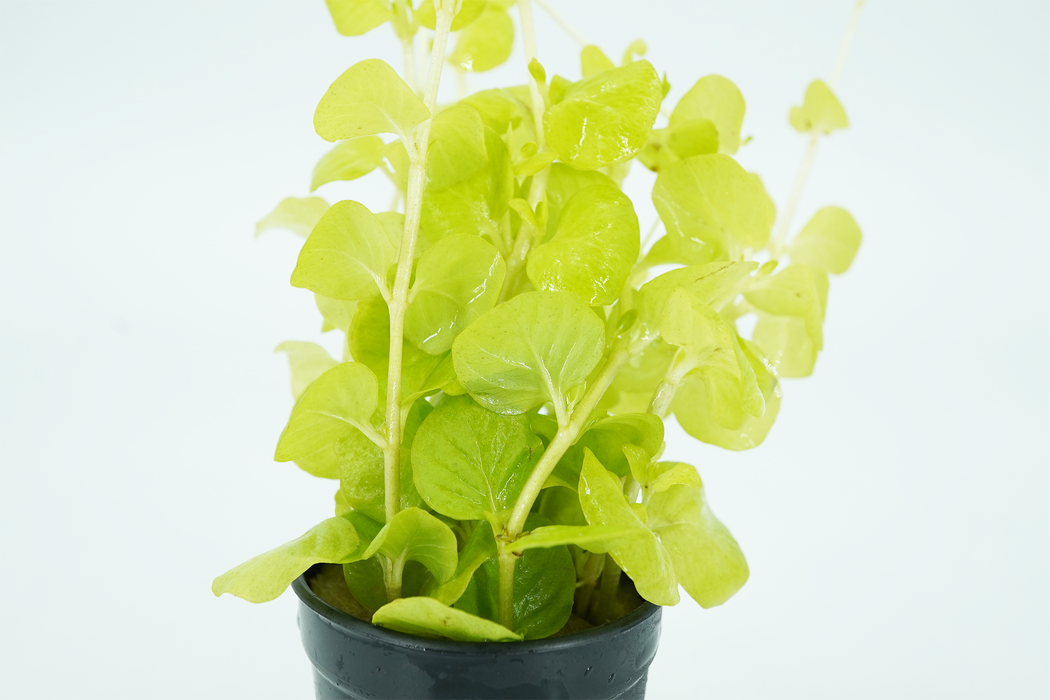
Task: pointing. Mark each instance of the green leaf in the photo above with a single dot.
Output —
(593, 538)
(266, 576)
(298, 215)
(797, 290)
(480, 547)
(718, 100)
(422, 374)
(471, 463)
(710, 403)
(369, 98)
(593, 60)
(357, 17)
(457, 280)
(425, 16)
(544, 585)
(349, 160)
(562, 184)
(713, 284)
(593, 249)
(475, 205)
(323, 463)
(787, 345)
(711, 202)
(337, 313)
(428, 617)
(336, 404)
(642, 558)
(606, 439)
(657, 477)
(829, 241)
(707, 560)
(484, 43)
(698, 329)
(537, 347)
(416, 535)
(457, 147)
(502, 110)
(308, 361)
(347, 256)
(606, 118)
(821, 112)
(362, 477)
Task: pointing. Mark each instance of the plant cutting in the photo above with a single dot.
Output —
(511, 348)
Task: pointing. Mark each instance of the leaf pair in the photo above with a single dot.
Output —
(678, 540)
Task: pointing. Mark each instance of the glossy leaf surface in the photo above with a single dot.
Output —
(430, 618)
(593, 249)
(265, 577)
(471, 463)
(535, 348)
(606, 118)
(457, 280)
(642, 558)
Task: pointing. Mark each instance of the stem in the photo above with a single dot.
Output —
(607, 591)
(779, 241)
(399, 297)
(392, 572)
(564, 439)
(562, 22)
(406, 33)
(507, 560)
(664, 394)
(538, 187)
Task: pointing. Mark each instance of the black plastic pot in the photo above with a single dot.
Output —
(355, 659)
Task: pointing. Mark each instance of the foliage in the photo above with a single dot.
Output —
(512, 347)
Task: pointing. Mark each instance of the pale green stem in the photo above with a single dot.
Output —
(664, 394)
(602, 610)
(538, 188)
(398, 299)
(507, 561)
(564, 439)
(406, 33)
(392, 573)
(778, 244)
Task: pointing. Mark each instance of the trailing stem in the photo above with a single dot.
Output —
(417, 152)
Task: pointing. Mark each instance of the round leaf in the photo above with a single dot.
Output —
(369, 98)
(308, 361)
(606, 118)
(485, 43)
(430, 618)
(298, 215)
(535, 348)
(457, 280)
(349, 160)
(593, 250)
(829, 241)
(347, 256)
(717, 100)
(357, 17)
(416, 535)
(821, 112)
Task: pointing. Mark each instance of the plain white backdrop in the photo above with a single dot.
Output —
(895, 520)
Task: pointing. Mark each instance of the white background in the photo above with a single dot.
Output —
(895, 520)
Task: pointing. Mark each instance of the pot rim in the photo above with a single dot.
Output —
(359, 628)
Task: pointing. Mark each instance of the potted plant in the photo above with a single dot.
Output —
(504, 524)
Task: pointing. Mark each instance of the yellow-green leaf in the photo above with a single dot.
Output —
(717, 100)
(593, 60)
(416, 535)
(821, 112)
(829, 241)
(428, 617)
(347, 256)
(349, 160)
(308, 361)
(606, 118)
(425, 16)
(593, 249)
(266, 576)
(357, 17)
(369, 98)
(338, 402)
(298, 215)
(485, 43)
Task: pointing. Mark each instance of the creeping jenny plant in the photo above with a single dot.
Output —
(495, 422)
